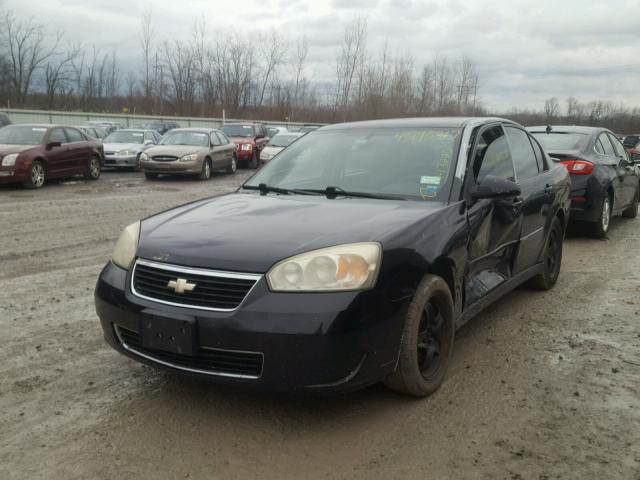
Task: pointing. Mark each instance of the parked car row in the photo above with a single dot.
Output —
(378, 240)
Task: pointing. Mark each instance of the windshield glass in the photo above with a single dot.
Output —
(414, 163)
(22, 135)
(282, 140)
(631, 141)
(197, 139)
(555, 141)
(238, 130)
(125, 136)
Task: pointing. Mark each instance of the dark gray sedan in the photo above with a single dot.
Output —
(604, 180)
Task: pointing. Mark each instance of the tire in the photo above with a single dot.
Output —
(632, 211)
(93, 169)
(205, 173)
(137, 165)
(601, 226)
(253, 164)
(37, 175)
(233, 167)
(150, 176)
(552, 258)
(427, 340)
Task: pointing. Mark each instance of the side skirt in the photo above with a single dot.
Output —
(499, 292)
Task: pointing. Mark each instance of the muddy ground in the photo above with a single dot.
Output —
(542, 386)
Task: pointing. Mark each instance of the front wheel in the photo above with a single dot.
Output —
(427, 340)
(205, 173)
(37, 175)
(93, 169)
(551, 258)
(233, 166)
(601, 226)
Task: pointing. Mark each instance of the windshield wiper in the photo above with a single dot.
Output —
(263, 188)
(333, 192)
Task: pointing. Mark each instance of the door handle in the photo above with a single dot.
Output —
(517, 203)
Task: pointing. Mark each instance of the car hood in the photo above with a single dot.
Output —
(248, 232)
(116, 147)
(174, 150)
(8, 149)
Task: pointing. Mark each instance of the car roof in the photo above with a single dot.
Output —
(446, 122)
(194, 129)
(567, 129)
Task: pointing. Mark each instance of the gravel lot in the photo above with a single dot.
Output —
(543, 385)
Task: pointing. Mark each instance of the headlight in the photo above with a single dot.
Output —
(192, 157)
(344, 267)
(247, 147)
(10, 160)
(126, 152)
(144, 157)
(125, 252)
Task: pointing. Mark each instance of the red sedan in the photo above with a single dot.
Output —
(31, 154)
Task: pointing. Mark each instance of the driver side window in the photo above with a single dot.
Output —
(215, 141)
(57, 135)
(492, 155)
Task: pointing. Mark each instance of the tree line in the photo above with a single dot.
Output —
(258, 75)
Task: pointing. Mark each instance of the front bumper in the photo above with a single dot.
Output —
(175, 166)
(120, 161)
(13, 175)
(333, 342)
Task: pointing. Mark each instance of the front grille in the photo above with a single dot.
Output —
(109, 153)
(164, 158)
(213, 290)
(211, 361)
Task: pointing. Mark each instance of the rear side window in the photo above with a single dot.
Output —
(223, 139)
(492, 155)
(540, 156)
(215, 141)
(524, 159)
(617, 146)
(606, 145)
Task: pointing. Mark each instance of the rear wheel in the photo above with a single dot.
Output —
(552, 258)
(150, 176)
(233, 166)
(205, 173)
(632, 211)
(427, 340)
(93, 169)
(37, 175)
(601, 226)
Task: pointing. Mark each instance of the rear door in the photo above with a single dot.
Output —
(216, 155)
(494, 224)
(611, 163)
(535, 182)
(626, 171)
(78, 149)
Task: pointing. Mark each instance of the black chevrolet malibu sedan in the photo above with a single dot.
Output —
(349, 259)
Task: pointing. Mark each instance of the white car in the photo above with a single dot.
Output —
(122, 148)
(277, 144)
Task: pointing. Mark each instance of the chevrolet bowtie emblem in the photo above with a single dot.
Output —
(181, 285)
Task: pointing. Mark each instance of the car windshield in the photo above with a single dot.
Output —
(125, 136)
(22, 135)
(556, 141)
(238, 130)
(197, 139)
(412, 163)
(282, 140)
(631, 141)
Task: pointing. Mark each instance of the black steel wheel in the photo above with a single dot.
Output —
(427, 340)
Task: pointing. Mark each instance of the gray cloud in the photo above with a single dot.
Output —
(525, 51)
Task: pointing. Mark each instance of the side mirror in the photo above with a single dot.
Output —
(52, 145)
(495, 187)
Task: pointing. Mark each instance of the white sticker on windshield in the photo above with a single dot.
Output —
(200, 134)
(430, 180)
(38, 129)
(137, 134)
(246, 127)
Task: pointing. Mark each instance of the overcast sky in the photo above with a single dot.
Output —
(526, 51)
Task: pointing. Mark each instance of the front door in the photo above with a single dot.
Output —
(58, 161)
(494, 224)
(626, 172)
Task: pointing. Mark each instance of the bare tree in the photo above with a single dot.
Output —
(273, 52)
(146, 42)
(27, 50)
(349, 60)
(298, 60)
(551, 108)
(58, 71)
